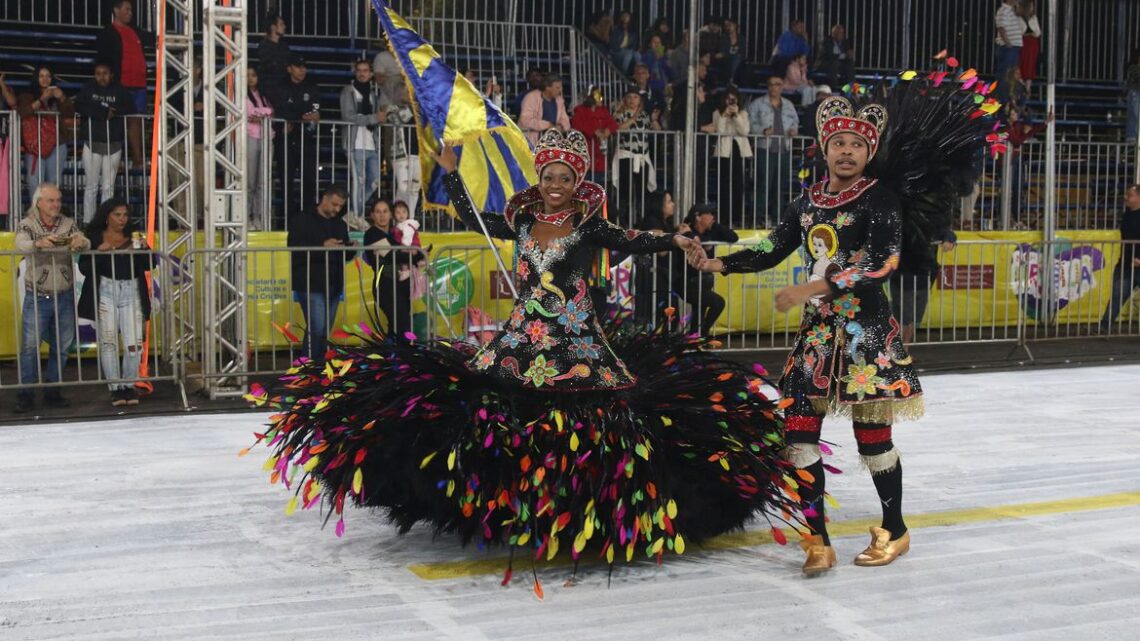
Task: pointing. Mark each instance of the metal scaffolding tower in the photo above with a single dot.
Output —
(176, 205)
(225, 352)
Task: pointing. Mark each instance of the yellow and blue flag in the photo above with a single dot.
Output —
(495, 158)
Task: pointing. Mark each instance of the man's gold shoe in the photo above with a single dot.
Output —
(882, 549)
(820, 557)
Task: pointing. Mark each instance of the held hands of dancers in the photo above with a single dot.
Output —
(697, 258)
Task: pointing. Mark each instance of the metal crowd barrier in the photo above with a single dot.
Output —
(53, 341)
(984, 291)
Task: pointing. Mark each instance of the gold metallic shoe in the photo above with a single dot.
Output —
(820, 557)
(882, 549)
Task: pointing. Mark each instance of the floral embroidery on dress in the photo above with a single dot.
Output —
(862, 379)
(818, 335)
(847, 278)
(607, 377)
(537, 330)
(846, 305)
(518, 315)
(882, 360)
(806, 220)
(540, 372)
(513, 339)
(585, 348)
(485, 359)
(572, 318)
(844, 219)
(545, 343)
(765, 246)
(523, 269)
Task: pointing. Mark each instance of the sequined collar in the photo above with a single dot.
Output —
(820, 198)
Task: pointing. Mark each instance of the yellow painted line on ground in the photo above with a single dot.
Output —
(496, 565)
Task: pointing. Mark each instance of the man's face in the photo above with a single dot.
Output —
(839, 32)
(641, 75)
(702, 71)
(124, 13)
(847, 155)
(363, 72)
(1132, 199)
(534, 78)
(705, 221)
(775, 86)
(297, 73)
(553, 91)
(103, 75)
(799, 28)
(279, 27)
(50, 202)
(330, 205)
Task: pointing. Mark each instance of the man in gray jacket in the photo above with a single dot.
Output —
(48, 238)
(362, 104)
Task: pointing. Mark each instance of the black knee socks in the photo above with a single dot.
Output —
(812, 501)
(889, 487)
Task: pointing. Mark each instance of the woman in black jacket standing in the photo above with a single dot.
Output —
(116, 295)
(392, 286)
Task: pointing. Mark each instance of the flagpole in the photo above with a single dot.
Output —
(490, 241)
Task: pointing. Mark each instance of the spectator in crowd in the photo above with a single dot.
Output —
(597, 124)
(534, 79)
(491, 89)
(808, 130)
(679, 58)
(707, 305)
(392, 285)
(709, 37)
(297, 103)
(405, 151)
(661, 29)
(544, 109)
(388, 77)
(360, 105)
(600, 30)
(1010, 30)
(732, 150)
(680, 106)
(273, 54)
(1018, 90)
(125, 47)
(44, 113)
(652, 99)
(776, 120)
(634, 174)
(917, 270)
(1124, 277)
(318, 276)
(1030, 42)
(257, 176)
(102, 102)
(792, 43)
(836, 57)
(623, 42)
(656, 62)
(7, 102)
(731, 54)
(48, 238)
(797, 80)
(1132, 93)
(655, 275)
(406, 230)
(115, 295)
(1020, 132)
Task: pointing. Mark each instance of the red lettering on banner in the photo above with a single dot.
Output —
(500, 287)
(967, 277)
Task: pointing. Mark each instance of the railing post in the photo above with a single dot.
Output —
(1048, 285)
(1007, 187)
(573, 62)
(908, 54)
(686, 197)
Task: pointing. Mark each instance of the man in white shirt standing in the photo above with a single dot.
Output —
(1010, 29)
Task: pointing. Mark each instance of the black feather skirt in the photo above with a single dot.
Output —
(690, 452)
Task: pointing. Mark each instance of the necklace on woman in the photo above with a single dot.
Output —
(557, 218)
